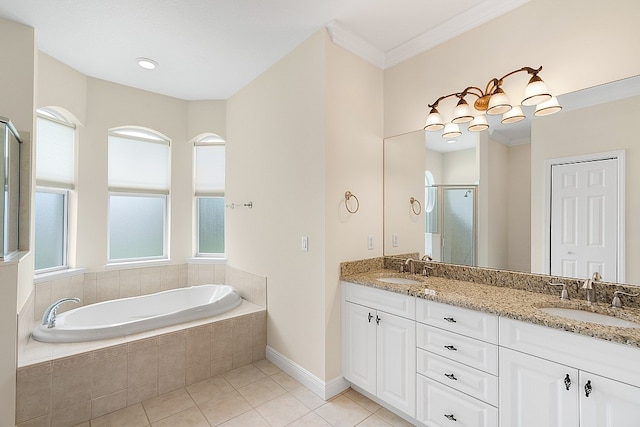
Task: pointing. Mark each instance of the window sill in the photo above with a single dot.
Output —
(137, 264)
(206, 260)
(58, 274)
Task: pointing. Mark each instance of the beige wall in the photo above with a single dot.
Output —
(354, 108)
(276, 159)
(459, 168)
(294, 159)
(493, 199)
(404, 166)
(580, 44)
(608, 129)
(61, 86)
(519, 208)
(207, 116)
(16, 103)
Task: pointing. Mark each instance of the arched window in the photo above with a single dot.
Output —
(138, 172)
(209, 186)
(55, 178)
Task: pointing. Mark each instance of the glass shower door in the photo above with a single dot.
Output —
(459, 225)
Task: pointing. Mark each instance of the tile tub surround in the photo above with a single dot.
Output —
(71, 390)
(97, 287)
(512, 295)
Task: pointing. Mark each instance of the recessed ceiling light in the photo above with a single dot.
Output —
(451, 141)
(147, 64)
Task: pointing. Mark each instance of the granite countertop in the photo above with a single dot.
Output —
(506, 302)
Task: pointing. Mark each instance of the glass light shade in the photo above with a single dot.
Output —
(548, 107)
(535, 92)
(434, 121)
(462, 113)
(499, 103)
(451, 130)
(513, 115)
(478, 124)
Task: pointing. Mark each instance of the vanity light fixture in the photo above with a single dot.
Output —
(146, 63)
(492, 100)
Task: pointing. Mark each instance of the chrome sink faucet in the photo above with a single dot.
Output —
(49, 316)
(410, 262)
(589, 287)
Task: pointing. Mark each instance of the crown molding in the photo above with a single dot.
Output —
(466, 21)
(355, 44)
(457, 25)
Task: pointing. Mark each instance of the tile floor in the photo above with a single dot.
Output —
(255, 395)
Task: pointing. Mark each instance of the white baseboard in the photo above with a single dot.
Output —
(325, 390)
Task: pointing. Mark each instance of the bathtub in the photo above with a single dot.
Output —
(126, 316)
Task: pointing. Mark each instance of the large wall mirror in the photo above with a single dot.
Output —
(554, 195)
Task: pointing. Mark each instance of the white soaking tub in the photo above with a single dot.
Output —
(126, 316)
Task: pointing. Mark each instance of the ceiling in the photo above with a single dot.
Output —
(210, 49)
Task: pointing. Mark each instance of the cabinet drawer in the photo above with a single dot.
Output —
(471, 352)
(608, 359)
(440, 406)
(478, 384)
(474, 324)
(389, 302)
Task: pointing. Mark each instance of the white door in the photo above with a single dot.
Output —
(397, 362)
(609, 403)
(360, 346)
(535, 392)
(584, 219)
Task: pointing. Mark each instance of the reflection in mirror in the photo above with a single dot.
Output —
(505, 166)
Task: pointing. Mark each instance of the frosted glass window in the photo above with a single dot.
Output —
(210, 225)
(210, 168)
(50, 230)
(138, 164)
(55, 156)
(136, 227)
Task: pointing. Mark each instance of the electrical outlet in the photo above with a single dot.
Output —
(305, 244)
(370, 242)
(394, 240)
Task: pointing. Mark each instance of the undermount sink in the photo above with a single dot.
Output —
(588, 316)
(398, 280)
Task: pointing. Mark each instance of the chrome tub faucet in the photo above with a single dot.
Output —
(49, 316)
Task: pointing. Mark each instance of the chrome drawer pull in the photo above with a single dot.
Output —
(450, 319)
(370, 317)
(450, 347)
(451, 377)
(450, 417)
(378, 319)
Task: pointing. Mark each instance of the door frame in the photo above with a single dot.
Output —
(619, 157)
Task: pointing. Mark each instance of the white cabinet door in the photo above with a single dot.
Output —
(609, 403)
(397, 361)
(360, 346)
(533, 392)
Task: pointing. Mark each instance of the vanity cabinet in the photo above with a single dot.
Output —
(379, 341)
(457, 366)
(551, 377)
(533, 392)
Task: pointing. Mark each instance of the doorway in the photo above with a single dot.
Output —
(586, 224)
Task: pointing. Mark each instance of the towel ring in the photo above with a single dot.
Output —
(413, 201)
(348, 195)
